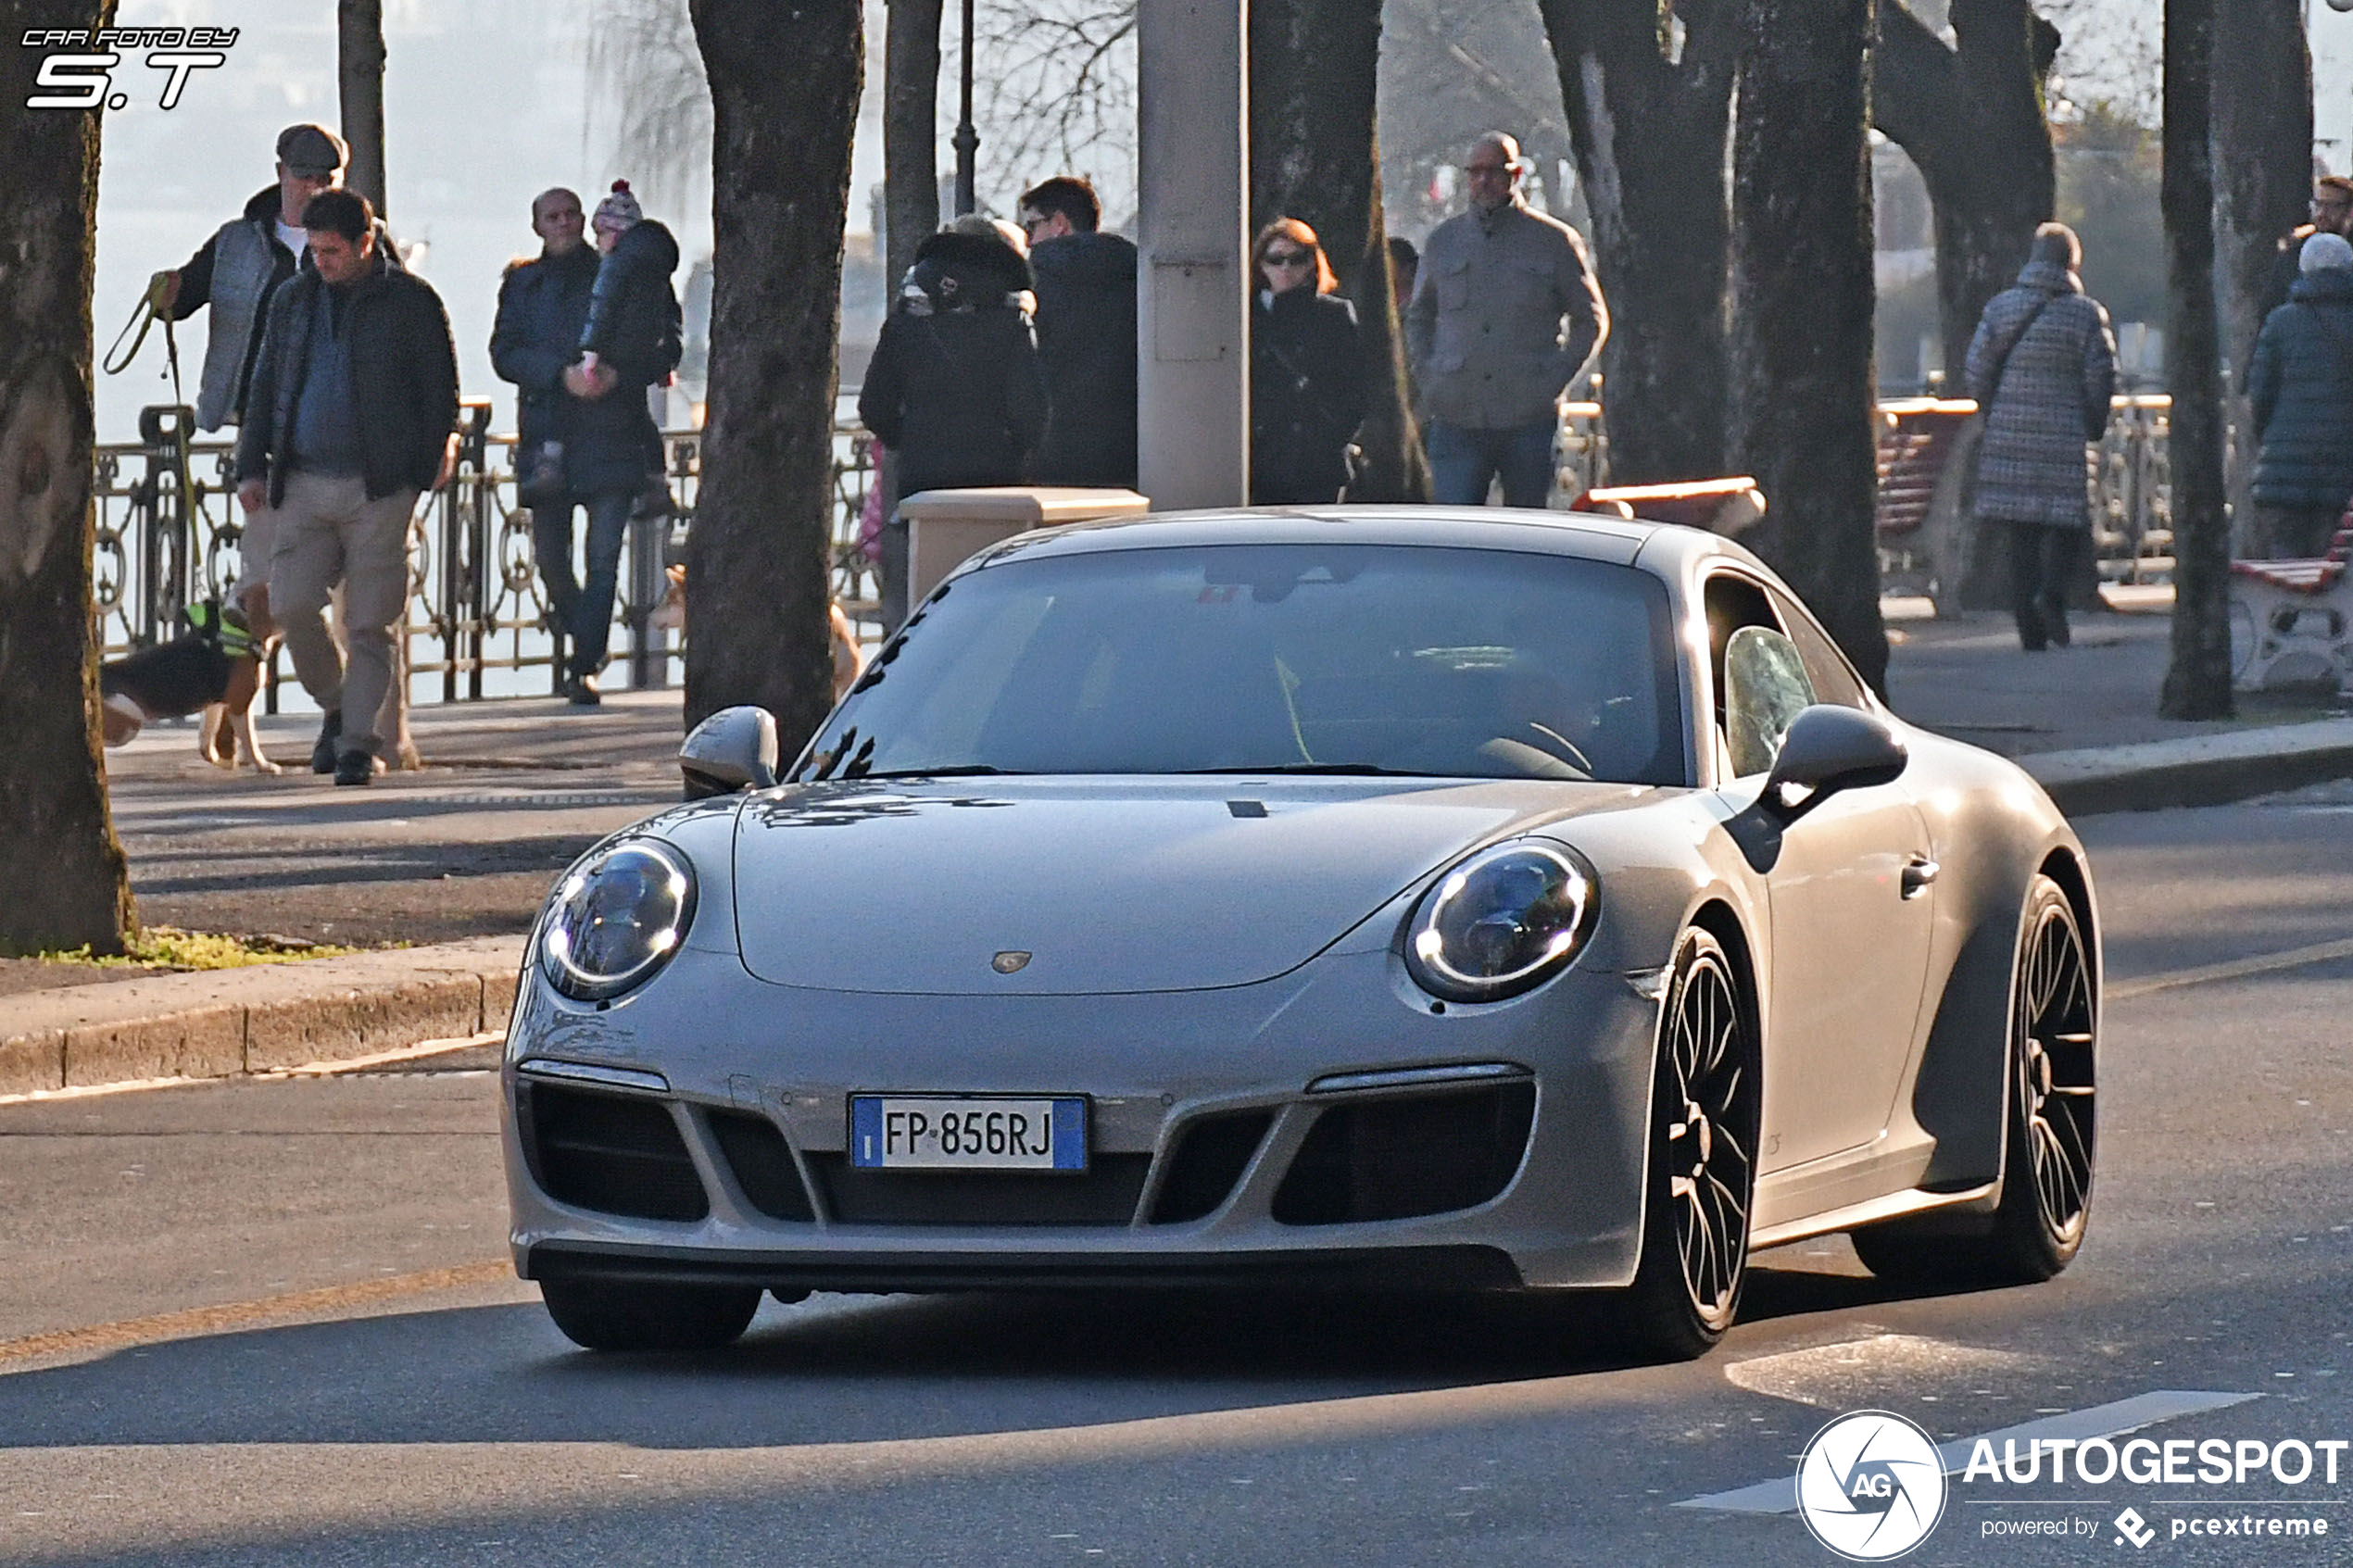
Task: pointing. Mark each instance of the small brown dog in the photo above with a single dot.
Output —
(850, 661)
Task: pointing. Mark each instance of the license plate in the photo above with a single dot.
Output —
(967, 1133)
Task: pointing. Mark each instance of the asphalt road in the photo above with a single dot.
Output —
(277, 1330)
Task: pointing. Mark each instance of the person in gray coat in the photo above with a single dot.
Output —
(1484, 328)
(2300, 390)
(2042, 367)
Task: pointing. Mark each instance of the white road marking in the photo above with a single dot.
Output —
(2234, 968)
(1780, 1495)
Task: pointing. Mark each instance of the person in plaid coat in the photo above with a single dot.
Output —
(2042, 367)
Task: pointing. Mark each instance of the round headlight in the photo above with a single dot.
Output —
(1500, 921)
(616, 920)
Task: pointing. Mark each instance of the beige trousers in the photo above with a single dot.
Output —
(329, 532)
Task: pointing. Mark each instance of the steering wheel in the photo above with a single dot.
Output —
(1553, 744)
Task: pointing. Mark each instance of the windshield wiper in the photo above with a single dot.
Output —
(1360, 770)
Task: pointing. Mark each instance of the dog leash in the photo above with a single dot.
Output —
(152, 308)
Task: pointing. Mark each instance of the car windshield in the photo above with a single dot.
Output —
(1262, 658)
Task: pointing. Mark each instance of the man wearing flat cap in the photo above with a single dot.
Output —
(236, 272)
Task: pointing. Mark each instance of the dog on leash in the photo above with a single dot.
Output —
(227, 735)
(206, 667)
(849, 660)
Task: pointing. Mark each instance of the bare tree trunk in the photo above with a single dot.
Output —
(2197, 682)
(2262, 108)
(1971, 117)
(1802, 300)
(1650, 135)
(1315, 155)
(785, 81)
(911, 135)
(58, 846)
(359, 69)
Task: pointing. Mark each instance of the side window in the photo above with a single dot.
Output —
(1764, 690)
(1834, 679)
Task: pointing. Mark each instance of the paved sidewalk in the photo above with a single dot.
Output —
(455, 860)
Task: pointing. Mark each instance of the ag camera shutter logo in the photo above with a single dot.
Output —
(1871, 1486)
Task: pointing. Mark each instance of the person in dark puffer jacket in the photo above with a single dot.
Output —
(613, 448)
(2300, 389)
(954, 388)
(2042, 367)
(1306, 371)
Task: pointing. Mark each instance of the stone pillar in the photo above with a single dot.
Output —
(1193, 306)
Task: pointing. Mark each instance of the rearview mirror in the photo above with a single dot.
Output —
(1828, 749)
(733, 749)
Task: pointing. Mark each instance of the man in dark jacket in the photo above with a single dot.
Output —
(2332, 214)
(2301, 392)
(1086, 335)
(349, 416)
(627, 343)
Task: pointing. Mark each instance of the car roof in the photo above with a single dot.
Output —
(1664, 548)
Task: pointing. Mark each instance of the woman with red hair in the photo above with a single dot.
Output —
(1307, 371)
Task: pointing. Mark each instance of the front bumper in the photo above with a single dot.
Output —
(730, 1052)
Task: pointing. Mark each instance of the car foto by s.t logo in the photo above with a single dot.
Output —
(1870, 1485)
(78, 67)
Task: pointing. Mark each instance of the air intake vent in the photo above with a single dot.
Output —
(616, 1154)
(1209, 1158)
(1398, 1158)
(762, 1165)
(1105, 1194)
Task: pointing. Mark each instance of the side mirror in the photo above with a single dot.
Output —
(1830, 748)
(733, 749)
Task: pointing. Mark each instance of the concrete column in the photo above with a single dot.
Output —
(1193, 310)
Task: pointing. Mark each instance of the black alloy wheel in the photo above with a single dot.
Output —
(2051, 1105)
(629, 1315)
(1702, 1179)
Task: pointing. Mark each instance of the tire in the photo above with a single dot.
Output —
(2050, 1102)
(1701, 1181)
(617, 1315)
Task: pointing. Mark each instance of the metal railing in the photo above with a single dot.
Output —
(476, 604)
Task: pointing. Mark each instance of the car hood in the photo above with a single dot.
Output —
(1107, 884)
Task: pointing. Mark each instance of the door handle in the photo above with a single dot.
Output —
(1918, 873)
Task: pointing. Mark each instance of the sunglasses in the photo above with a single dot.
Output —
(1287, 258)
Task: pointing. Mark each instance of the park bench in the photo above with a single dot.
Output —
(1924, 449)
(2292, 621)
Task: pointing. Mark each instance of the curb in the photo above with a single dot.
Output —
(229, 1023)
(2201, 771)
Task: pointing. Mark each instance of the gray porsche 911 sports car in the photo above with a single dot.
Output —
(1353, 898)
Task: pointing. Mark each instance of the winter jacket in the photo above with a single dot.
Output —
(2301, 392)
(1484, 326)
(954, 388)
(404, 379)
(634, 329)
(2042, 367)
(1086, 341)
(235, 272)
(1307, 396)
(543, 306)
